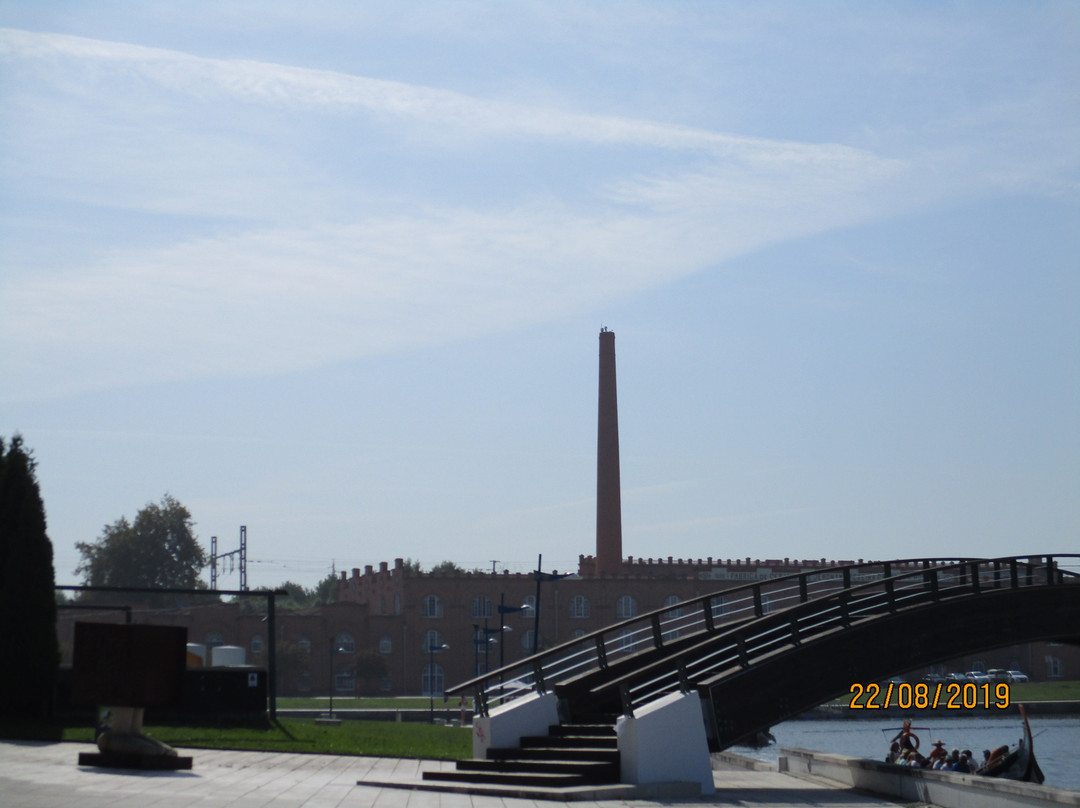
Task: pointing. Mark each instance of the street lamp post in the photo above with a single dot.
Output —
(540, 578)
(334, 649)
(503, 611)
(432, 648)
(482, 637)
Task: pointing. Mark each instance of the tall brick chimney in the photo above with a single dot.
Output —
(608, 496)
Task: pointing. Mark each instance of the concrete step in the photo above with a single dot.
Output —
(592, 771)
(555, 753)
(514, 779)
(570, 741)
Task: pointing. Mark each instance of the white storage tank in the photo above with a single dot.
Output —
(227, 656)
(196, 654)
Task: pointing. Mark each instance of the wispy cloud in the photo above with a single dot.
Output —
(307, 261)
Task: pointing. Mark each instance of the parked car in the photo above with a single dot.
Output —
(955, 677)
(998, 675)
(933, 678)
(1017, 676)
(978, 677)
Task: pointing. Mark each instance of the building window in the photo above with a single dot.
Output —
(1055, 669)
(481, 606)
(579, 606)
(432, 606)
(214, 639)
(382, 605)
(345, 682)
(626, 607)
(627, 641)
(527, 641)
(766, 604)
(345, 643)
(719, 607)
(257, 644)
(673, 613)
(433, 642)
(386, 684)
(397, 604)
(671, 603)
(386, 645)
(304, 644)
(577, 634)
(432, 681)
(303, 682)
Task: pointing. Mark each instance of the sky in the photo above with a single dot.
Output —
(336, 272)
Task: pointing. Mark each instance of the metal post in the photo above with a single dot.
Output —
(536, 615)
(330, 679)
(271, 669)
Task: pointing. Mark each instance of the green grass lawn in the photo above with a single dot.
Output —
(1045, 691)
(403, 703)
(376, 738)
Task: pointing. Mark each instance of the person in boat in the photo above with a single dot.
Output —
(937, 753)
(963, 765)
(907, 739)
(894, 753)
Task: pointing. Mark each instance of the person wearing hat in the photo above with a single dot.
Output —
(938, 752)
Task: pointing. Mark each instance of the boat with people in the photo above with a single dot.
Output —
(1010, 763)
(1016, 763)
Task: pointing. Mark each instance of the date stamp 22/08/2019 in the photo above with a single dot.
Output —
(924, 696)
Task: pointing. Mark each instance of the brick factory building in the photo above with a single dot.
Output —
(377, 637)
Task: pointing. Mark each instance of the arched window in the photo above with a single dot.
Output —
(719, 607)
(432, 606)
(527, 641)
(529, 602)
(344, 643)
(626, 607)
(433, 642)
(432, 680)
(671, 603)
(670, 618)
(345, 681)
(628, 640)
(481, 606)
(386, 645)
(213, 639)
(579, 606)
(304, 644)
(397, 604)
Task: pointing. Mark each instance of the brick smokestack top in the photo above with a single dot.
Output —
(608, 496)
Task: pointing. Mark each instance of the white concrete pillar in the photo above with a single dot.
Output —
(665, 743)
(508, 723)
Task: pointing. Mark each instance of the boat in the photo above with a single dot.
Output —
(1017, 763)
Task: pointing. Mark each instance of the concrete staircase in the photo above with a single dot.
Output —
(569, 756)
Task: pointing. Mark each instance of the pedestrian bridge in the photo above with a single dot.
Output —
(768, 651)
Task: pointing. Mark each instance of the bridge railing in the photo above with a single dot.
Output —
(740, 646)
(679, 626)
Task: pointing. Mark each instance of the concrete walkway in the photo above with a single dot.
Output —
(46, 775)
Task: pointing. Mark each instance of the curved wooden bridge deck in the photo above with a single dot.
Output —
(767, 651)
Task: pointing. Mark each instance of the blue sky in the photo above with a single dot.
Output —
(336, 271)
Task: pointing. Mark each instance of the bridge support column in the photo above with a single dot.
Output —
(508, 723)
(665, 743)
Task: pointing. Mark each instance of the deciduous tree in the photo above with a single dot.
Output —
(158, 550)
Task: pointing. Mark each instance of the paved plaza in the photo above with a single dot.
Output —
(45, 775)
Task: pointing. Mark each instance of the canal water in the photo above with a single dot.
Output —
(1056, 739)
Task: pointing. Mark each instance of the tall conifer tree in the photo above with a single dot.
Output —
(27, 589)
